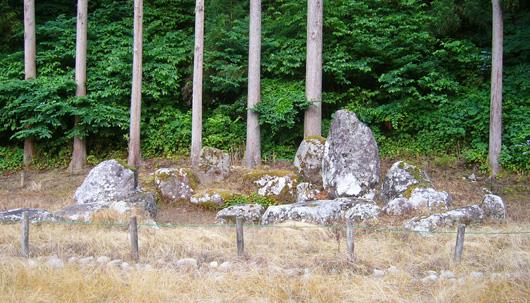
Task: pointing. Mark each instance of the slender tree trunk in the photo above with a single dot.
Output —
(79, 154)
(495, 137)
(313, 82)
(196, 128)
(30, 64)
(136, 95)
(253, 146)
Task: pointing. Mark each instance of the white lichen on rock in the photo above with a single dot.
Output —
(308, 159)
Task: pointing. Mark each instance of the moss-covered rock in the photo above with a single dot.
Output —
(175, 184)
(214, 165)
(279, 185)
(401, 179)
(212, 198)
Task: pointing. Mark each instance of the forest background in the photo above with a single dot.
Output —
(416, 71)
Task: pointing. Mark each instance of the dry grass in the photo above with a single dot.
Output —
(271, 272)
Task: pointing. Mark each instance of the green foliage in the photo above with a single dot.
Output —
(10, 158)
(416, 71)
(253, 198)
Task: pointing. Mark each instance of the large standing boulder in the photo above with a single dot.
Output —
(279, 185)
(308, 159)
(251, 213)
(175, 184)
(400, 177)
(214, 165)
(322, 212)
(350, 166)
(107, 182)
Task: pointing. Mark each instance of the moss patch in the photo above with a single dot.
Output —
(318, 138)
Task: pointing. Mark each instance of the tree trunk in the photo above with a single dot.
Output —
(79, 153)
(30, 64)
(313, 83)
(253, 144)
(495, 137)
(196, 128)
(136, 94)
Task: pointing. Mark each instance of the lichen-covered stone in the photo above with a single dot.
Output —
(214, 165)
(350, 165)
(466, 215)
(398, 207)
(251, 213)
(107, 182)
(308, 159)
(277, 184)
(322, 212)
(400, 177)
(212, 198)
(306, 192)
(34, 214)
(361, 212)
(429, 198)
(493, 207)
(175, 184)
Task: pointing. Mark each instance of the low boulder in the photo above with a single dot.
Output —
(308, 159)
(466, 215)
(323, 212)
(251, 213)
(306, 192)
(350, 165)
(107, 182)
(212, 198)
(493, 207)
(419, 200)
(214, 165)
(362, 212)
(35, 215)
(175, 184)
(400, 177)
(280, 185)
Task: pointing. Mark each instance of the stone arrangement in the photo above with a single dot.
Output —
(335, 180)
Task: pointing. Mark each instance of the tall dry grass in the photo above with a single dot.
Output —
(272, 271)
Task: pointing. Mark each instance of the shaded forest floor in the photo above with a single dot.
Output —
(54, 189)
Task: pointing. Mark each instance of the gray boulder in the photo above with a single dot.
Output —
(306, 192)
(214, 165)
(400, 177)
(278, 185)
(175, 184)
(212, 198)
(350, 166)
(421, 199)
(251, 213)
(308, 159)
(322, 212)
(466, 215)
(493, 207)
(107, 182)
(362, 212)
(34, 214)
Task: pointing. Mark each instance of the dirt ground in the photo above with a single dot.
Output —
(54, 189)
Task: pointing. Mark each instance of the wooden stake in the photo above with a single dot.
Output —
(349, 240)
(459, 247)
(133, 230)
(239, 236)
(23, 178)
(24, 240)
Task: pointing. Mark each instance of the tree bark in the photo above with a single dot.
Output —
(196, 128)
(495, 136)
(79, 153)
(30, 64)
(253, 144)
(313, 84)
(136, 95)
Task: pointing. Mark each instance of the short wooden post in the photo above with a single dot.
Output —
(24, 239)
(239, 237)
(459, 247)
(349, 240)
(133, 230)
